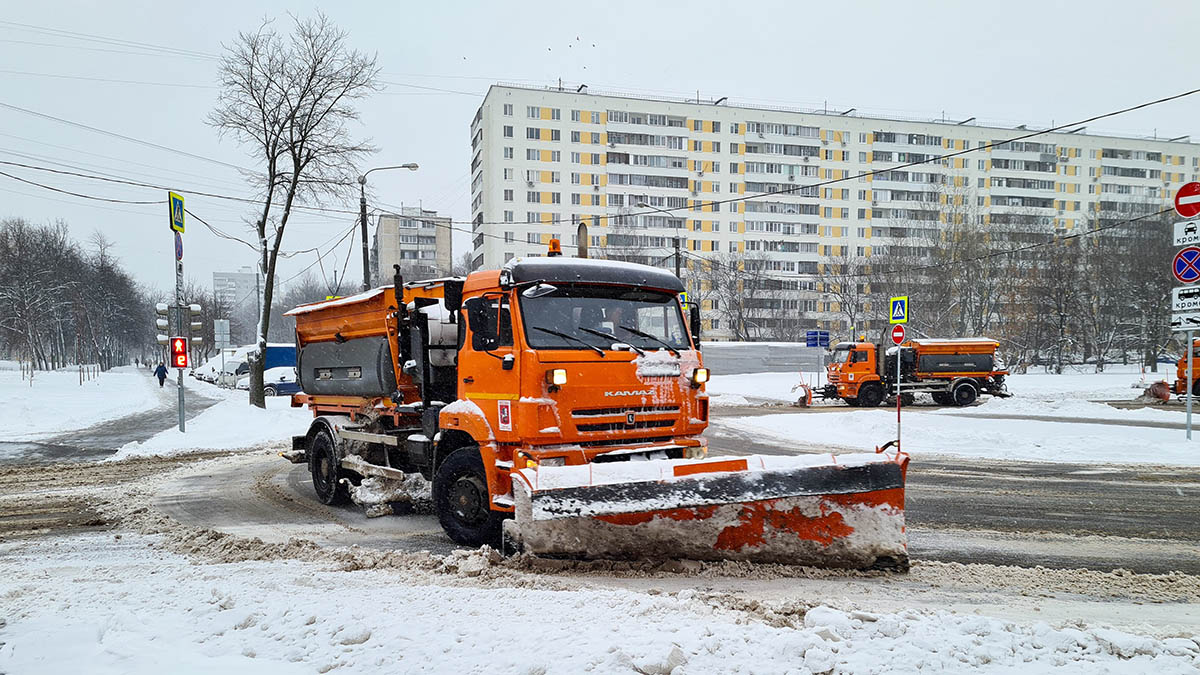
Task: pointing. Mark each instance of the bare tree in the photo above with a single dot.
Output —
(291, 100)
(464, 265)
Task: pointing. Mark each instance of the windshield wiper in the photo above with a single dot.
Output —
(610, 336)
(648, 336)
(565, 336)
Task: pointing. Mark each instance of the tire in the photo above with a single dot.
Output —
(269, 390)
(870, 396)
(852, 402)
(907, 400)
(326, 470)
(965, 394)
(461, 500)
(943, 398)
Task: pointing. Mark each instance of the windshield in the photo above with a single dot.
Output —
(607, 309)
(841, 355)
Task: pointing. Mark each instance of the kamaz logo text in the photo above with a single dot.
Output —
(631, 392)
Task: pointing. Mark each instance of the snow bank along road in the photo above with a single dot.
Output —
(131, 590)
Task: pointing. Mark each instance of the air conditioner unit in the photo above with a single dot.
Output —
(791, 179)
(528, 183)
(694, 193)
(612, 144)
(596, 188)
(874, 203)
(806, 158)
(760, 135)
(699, 173)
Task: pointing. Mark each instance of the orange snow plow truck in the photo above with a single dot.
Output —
(952, 371)
(556, 407)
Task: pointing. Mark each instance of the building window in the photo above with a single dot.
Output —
(574, 179)
(595, 138)
(696, 146)
(555, 135)
(555, 177)
(716, 127)
(595, 158)
(716, 226)
(508, 218)
(532, 133)
(697, 125)
(508, 153)
(555, 197)
(508, 110)
(716, 167)
(733, 148)
(574, 136)
(716, 146)
(735, 128)
(508, 195)
(555, 114)
(508, 132)
(508, 256)
(533, 112)
(531, 154)
(532, 238)
(574, 157)
(733, 188)
(508, 236)
(531, 217)
(508, 174)
(536, 197)
(555, 156)
(575, 198)
(595, 118)
(734, 167)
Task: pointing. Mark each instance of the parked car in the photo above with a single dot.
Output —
(278, 355)
(208, 371)
(280, 381)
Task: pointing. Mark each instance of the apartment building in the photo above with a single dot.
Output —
(417, 239)
(237, 290)
(641, 172)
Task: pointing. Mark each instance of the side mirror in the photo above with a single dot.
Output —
(694, 320)
(538, 290)
(453, 290)
(483, 331)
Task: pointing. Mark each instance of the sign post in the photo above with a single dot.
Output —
(1185, 301)
(175, 204)
(898, 316)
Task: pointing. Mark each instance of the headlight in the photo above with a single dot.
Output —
(700, 376)
(697, 452)
(556, 377)
(553, 461)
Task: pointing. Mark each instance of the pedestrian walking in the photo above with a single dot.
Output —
(161, 373)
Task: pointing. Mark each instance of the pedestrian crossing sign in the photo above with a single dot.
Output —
(899, 307)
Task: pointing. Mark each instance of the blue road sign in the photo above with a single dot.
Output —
(178, 246)
(175, 202)
(899, 313)
(1186, 266)
(816, 338)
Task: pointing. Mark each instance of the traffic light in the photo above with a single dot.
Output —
(162, 323)
(195, 326)
(179, 352)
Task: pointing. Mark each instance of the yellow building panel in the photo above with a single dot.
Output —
(545, 113)
(604, 137)
(546, 218)
(545, 238)
(585, 158)
(544, 197)
(546, 177)
(706, 226)
(544, 134)
(741, 247)
(544, 155)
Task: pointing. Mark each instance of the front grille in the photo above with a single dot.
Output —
(604, 412)
(622, 426)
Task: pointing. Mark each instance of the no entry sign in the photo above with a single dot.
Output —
(1186, 266)
(897, 334)
(1187, 200)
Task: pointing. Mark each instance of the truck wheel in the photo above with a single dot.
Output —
(870, 396)
(965, 394)
(461, 499)
(943, 398)
(326, 470)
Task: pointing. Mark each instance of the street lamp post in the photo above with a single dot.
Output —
(362, 215)
(644, 205)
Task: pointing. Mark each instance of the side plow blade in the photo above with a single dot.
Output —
(842, 511)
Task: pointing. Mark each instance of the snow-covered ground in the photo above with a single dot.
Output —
(56, 402)
(968, 432)
(100, 603)
(232, 423)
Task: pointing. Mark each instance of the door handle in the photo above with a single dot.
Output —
(468, 380)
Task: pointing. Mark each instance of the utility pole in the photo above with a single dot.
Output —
(677, 257)
(362, 216)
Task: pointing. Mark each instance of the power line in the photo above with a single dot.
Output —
(123, 137)
(78, 194)
(182, 85)
(102, 39)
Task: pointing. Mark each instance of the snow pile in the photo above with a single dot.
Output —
(57, 402)
(659, 363)
(98, 604)
(757, 387)
(232, 423)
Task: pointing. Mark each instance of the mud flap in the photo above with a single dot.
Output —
(842, 511)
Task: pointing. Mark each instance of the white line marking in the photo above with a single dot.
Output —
(1190, 199)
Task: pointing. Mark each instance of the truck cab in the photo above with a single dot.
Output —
(1181, 368)
(546, 362)
(851, 366)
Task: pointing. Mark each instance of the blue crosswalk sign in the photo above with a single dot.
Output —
(899, 313)
(175, 203)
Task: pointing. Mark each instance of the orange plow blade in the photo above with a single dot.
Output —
(844, 511)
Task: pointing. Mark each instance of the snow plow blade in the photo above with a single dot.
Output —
(836, 511)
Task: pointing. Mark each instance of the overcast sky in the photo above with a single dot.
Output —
(1011, 63)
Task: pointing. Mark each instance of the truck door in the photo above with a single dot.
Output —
(488, 366)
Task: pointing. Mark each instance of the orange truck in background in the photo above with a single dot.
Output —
(557, 406)
(1181, 367)
(953, 371)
